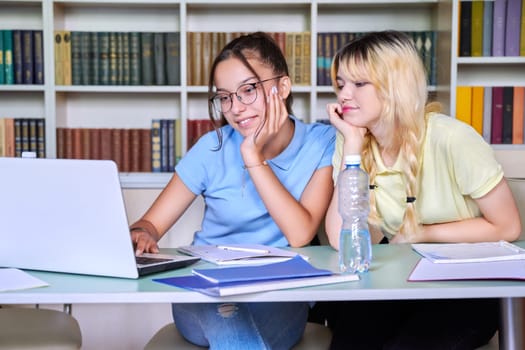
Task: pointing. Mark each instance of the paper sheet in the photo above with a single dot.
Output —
(15, 279)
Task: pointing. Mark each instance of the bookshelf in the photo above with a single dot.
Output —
(125, 106)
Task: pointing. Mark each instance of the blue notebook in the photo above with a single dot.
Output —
(295, 272)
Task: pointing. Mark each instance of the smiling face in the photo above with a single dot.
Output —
(231, 76)
(360, 102)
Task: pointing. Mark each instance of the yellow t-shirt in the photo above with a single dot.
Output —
(457, 167)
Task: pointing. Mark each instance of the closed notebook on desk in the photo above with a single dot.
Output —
(292, 273)
(68, 215)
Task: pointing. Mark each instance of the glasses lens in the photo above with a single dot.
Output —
(222, 103)
(247, 93)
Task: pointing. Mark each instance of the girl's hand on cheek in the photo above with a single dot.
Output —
(353, 135)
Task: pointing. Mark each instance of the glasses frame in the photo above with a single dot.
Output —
(239, 98)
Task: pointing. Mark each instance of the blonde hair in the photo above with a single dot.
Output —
(390, 61)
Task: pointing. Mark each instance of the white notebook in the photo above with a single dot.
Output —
(448, 253)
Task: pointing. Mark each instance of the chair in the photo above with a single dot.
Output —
(315, 337)
(42, 329)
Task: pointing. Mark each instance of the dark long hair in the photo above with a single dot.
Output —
(257, 45)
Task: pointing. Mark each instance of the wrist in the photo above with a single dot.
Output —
(255, 165)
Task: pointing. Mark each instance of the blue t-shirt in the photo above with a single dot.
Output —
(234, 211)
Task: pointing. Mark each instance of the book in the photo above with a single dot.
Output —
(9, 76)
(66, 57)
(517, 115)
(488, 16)
(134, 58)
(103, 52)
(476, 39)
(38, 42)
(85, 65)
(292, 273)
(155, 146)
(76, 65)
(508, 97)
(464, 104)
(496, 134)
(512, 28)
(477, 108)
(146, 57)
(94, 58)
(522, 31)
(173, 58)
(498, 27)
(206, 287)
(2, 66)
(28, 55)
(453, 253)
(425, 270)
(487, 113)
(18, 56)
(238, 254)
(113, 58)
(465, 28)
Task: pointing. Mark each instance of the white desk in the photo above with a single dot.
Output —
(387, 280)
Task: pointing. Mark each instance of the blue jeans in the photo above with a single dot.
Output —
(242, 326)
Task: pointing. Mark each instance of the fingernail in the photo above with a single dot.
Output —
(274, 90)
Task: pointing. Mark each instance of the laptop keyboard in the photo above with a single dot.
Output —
(144, 260)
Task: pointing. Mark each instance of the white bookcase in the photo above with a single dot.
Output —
(136, 106)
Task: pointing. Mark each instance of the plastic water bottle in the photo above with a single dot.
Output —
(355, 246)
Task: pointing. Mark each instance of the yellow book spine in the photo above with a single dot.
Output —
(464, 104)
(477, 108)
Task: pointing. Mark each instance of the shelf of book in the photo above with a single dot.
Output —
(134, 103)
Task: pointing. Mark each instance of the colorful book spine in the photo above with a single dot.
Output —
(487, 114)
(477, 108)
(464, 104)
(497, 115)
(173, 58)
(477, 28)
(134, 58)
(28, 54)
(147, 58)
(38, 40)
(498, 27)
(512, 28)
(2, 66)
(9, 77)
(517, 115)
(465, 28)
(508, 102)
(155, 146)
(488, 16)
(17, 56)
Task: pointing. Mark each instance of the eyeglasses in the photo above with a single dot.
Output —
(246, 94)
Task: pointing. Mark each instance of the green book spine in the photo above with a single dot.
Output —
(94, 58)
(17, 56)
(84, 58)
(103, 42)
(173, 58)
(28, 55)
(113, 58)
(38, 41)
(8, 57)
(76, 67)
(126, 74)
(120, 58)
(147, 58)
(134, 58)
(2, 66)
(159, 58)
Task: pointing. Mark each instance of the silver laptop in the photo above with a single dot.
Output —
(68, 216)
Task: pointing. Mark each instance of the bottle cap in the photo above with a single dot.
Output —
(352, 159)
